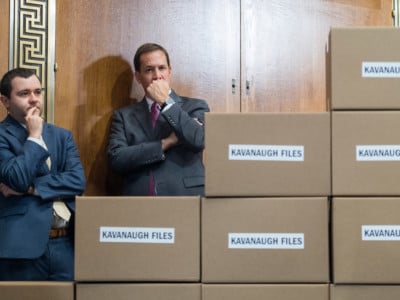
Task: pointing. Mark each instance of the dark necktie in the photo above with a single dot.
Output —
(155, 111)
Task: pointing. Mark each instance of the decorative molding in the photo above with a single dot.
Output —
(395, 13)
(32, 43)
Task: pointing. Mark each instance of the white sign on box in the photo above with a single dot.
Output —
(380, 232)
(380, 69)
(145, 235)
(378, 152)
(266, 240)
(266, 152)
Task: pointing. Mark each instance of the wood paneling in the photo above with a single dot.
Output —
(4, 43)
(277, 46)
(95, 44)
(283, 48)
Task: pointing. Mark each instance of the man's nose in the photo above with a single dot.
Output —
(33, 97)
(157, 74)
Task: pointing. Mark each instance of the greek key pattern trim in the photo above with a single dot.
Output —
(31, 38)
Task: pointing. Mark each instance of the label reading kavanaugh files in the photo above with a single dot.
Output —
(378, 152)
(380, 232)
(380, 69)
(266, 240)
(144, 235)
(266, 152)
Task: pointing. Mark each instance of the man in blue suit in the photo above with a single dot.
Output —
(40, 175)
(160, 156)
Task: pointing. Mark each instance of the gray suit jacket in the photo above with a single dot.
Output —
(134, 148)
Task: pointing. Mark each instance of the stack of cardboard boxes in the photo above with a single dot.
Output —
(274, 182)
(265, 217)
(365, 100)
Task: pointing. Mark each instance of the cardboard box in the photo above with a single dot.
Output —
(137, 239)
(267, 154)
(36, 290)
(366, 240)
(365, 68)
(364, 292)
(129, 291)
(365, 153)
(265, 240)
(263, 291)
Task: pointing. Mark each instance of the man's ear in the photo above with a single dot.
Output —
(137, 76)
(5, 101)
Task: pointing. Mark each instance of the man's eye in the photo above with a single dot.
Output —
(23, 93)
(38, 92)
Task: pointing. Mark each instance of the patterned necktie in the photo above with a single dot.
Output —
(59, 207)
(155, 111)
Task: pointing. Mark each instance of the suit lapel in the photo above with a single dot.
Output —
(16, 129)
(142, 114)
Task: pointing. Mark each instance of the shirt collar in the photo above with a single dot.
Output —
(151, 101)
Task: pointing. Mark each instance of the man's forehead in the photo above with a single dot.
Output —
(153, 58)
(22, 82)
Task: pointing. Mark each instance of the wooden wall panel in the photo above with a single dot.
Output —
(4, 43)
(283, 48)
(95, 44)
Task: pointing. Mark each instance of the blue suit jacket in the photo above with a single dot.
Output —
(134, 148)
(25, 220)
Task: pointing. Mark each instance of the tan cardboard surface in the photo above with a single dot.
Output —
(36, 290)
(131, 291)
(276, 259)
(364, 292)
(270, 173)
(349, 48)
(354, 177)
(364, 254)
(261, 291)
(138, 258)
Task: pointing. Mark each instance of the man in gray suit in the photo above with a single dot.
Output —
(157, 144)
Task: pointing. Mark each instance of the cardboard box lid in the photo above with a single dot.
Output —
(349, 48)
(364, 292)
(287, 172)
(292, 246)
(365, 240)
(131, 291)
(265, 291)
(161, 240)
(36, 290)
(360, 175)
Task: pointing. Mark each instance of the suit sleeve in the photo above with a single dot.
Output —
(69, 179)
(183, 118)
(27, 167)
(125, 156)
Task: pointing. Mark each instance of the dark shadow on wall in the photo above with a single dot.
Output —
(107, 86)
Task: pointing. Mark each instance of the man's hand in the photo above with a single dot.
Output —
(34, 122)
(7, 191)
(158, 90)
(169, 141)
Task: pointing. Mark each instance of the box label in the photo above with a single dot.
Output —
(266, 152)
(380, 232)
(380, 69)
(266, 240)
(378, 152)
(145, 235)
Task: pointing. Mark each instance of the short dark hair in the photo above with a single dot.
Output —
(146, 48)
(5, 85)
